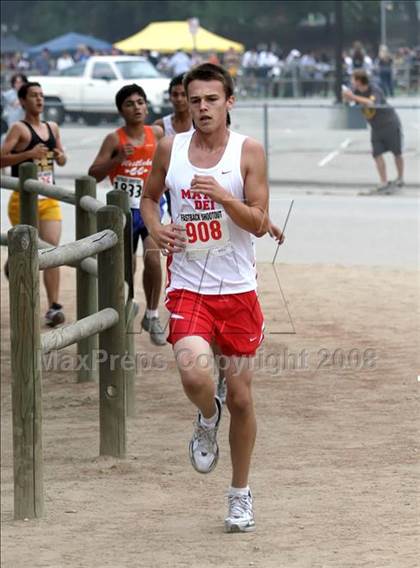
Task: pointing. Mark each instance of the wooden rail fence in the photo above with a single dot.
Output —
(105, 309)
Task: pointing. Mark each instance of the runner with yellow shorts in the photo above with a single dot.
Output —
(32, 140)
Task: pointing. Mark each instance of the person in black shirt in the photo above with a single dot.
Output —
(32, 140)
(386, 129)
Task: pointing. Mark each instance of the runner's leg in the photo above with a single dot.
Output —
(152, 273)
(194, 360)
(50, 231)
(243, 426)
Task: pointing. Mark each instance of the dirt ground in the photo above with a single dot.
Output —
(335, 464)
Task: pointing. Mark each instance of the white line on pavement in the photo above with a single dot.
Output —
(334, 153)
(328, 158)
(345, 143)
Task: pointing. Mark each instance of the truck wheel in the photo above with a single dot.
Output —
(54, 111)
(92, 118)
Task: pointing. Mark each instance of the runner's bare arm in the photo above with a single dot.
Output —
(168, 237)
(12, 140)
(276, 233)
(158, 131)
(59, 154)
(252, 214)
(158, 122)
(107, 159)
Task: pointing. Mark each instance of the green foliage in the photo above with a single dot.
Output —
(249, 21)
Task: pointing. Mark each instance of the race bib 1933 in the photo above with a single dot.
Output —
(133, 186)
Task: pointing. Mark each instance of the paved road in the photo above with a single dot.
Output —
(329, 223)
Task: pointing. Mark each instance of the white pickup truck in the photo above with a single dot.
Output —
(88, 88)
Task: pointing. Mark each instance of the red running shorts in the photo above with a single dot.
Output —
(234, 321)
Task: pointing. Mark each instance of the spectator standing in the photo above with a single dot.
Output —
(307, 66)
(179, 63)
(64, 61)
(13, 109)
(231, 61)
(163, 66)
(291, 74)
(81, 54)
(250, 62)
(196, 59)
(43, 62)
(360, 59)
(347, 66)
(386, 129)
(23, 63)
(385, 70)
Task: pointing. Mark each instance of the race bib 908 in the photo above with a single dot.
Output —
(207, 232)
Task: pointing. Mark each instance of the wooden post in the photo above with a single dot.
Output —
(28, 200)
(86, 284)
(26, 372)
(112, 395)
(120, 199)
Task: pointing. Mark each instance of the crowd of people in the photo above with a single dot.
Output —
(312, 73)
(263, 70)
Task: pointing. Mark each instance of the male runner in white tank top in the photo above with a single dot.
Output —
(218, 184)
(178, 121)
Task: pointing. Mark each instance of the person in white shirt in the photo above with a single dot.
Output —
(179, 63)
(64, 62)
(12, 107)
(219, 190)
(250, 62)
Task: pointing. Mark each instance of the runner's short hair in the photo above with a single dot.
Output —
(23, 90)
(126, 92)
(361, 76)
(210, 72)
(178, 80)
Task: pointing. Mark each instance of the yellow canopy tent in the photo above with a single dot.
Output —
(167, 37)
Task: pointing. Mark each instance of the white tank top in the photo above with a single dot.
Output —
(220, 256)
(168, 126)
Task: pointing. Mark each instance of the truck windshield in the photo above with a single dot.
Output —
(137, 70)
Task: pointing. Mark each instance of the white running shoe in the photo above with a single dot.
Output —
(241, 516)
(203, 448)
(154, 327)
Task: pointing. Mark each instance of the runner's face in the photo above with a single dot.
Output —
(134, 109)
(178, 98)
(208, 105)
(34, 102)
